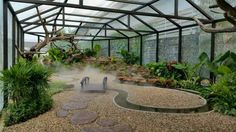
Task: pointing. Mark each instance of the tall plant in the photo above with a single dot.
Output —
(26, 83)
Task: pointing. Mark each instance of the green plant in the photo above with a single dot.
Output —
(26, 83)
(90, 53)
(56, 54)
(128, 58)
(222, 64)
(223, 94)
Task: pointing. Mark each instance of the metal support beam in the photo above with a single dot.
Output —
(170, 20)
(89, 27)
(157, 47)
(146, 24)
(27, 8)
(176, 7)
(180, 45)
(18, 40)
(77, 30)
(129, 2)
(5, 48)
(13, 40)
(200, 10)
(128, 40)
(109, 48)
(128, 26)
(92, 44)
(105, 9)
(117, 31)
(141, 50)
(81, 2)
(212, 53)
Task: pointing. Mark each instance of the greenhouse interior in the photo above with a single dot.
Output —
(118, 65)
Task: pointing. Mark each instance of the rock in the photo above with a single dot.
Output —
(83, 117)
(121, 128)
(106, 122)
(96, 129)
(62, 113)
(74, 106)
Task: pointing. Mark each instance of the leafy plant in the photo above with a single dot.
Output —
(90, 53)
(128, 58)
(26, 83)
(223, 94)
(222, 64)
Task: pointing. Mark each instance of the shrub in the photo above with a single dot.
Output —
(223, 94)
(26, 83)
(128, 58)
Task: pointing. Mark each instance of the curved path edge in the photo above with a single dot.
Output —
(121, 100)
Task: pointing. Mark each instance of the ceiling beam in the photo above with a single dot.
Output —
(89, 27)
(105, 9)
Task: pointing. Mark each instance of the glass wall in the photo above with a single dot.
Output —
(10, 44)
(1, 51)
(118, 45)
(149, 49)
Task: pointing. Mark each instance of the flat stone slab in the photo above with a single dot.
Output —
(74, 105)
(106, 122)
(121, 128)
(117, 128)
(96, 129)
(94, 88)
(62, 113)
(83, 117)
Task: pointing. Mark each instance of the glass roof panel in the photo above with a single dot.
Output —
(158, 23)
(136, 24)
(110, 4)
(18, 6)
(165, 6)
(44, 15)
(187, 10)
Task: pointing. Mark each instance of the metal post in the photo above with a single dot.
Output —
(212, 57)
(109, 48)
(92, 42)
(141, 50)
(180, 46)
(23, 41)
(13, 40)
(128, 44)
(176, 7)
(18, 40)
(5, 48)
(157, 47)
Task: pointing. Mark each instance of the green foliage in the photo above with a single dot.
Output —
(222, 64)
(223, 94)
(90, 53)
(26, 83)
(56, 54)
(97, 48)
(128, 58)
(171, 70)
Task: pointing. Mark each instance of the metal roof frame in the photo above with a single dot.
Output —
(106, 25)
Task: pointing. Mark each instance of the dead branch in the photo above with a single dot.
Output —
(229, 14)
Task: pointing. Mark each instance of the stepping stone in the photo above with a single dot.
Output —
(121, 128)
(106, 122)
(62, 113)
(74, 106)
(83, 117)
(96, 129)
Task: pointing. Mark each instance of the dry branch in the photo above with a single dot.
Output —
(229, 14)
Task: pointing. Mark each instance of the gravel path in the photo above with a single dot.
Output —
(126, 120)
